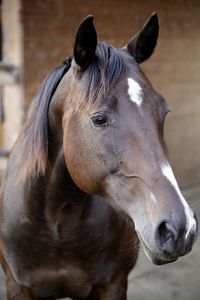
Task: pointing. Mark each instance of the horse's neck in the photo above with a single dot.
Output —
(60, 189)
(61, 192)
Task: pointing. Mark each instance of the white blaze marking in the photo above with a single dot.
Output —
(167, 172)
(135, 91)
(153, 198)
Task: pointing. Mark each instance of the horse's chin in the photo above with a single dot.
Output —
(156, 259)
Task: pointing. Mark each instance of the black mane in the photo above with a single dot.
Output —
(34, 135)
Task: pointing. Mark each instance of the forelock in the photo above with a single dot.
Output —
(97, 80)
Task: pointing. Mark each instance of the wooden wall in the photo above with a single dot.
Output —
(174, 69)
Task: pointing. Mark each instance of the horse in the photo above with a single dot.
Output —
(88, 178)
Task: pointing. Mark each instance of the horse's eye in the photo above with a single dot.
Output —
(99, 120)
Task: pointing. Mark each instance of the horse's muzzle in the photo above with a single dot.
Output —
(174, 242)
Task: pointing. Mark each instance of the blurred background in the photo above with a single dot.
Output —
(35, 37)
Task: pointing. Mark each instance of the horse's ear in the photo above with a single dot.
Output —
(142, 45)
(85, 43)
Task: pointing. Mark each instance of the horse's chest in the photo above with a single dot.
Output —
(69, 256)
(55, 260)
(70, 281)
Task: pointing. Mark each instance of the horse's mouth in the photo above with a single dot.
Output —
(157, 259)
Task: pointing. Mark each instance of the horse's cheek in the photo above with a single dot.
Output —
(79, 167)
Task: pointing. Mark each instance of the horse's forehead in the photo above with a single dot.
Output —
(136, 89)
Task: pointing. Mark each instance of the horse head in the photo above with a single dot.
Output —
(113, 140)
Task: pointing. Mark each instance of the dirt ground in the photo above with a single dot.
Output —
(176, 281)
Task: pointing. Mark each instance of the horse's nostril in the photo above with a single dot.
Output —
(166, 237)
